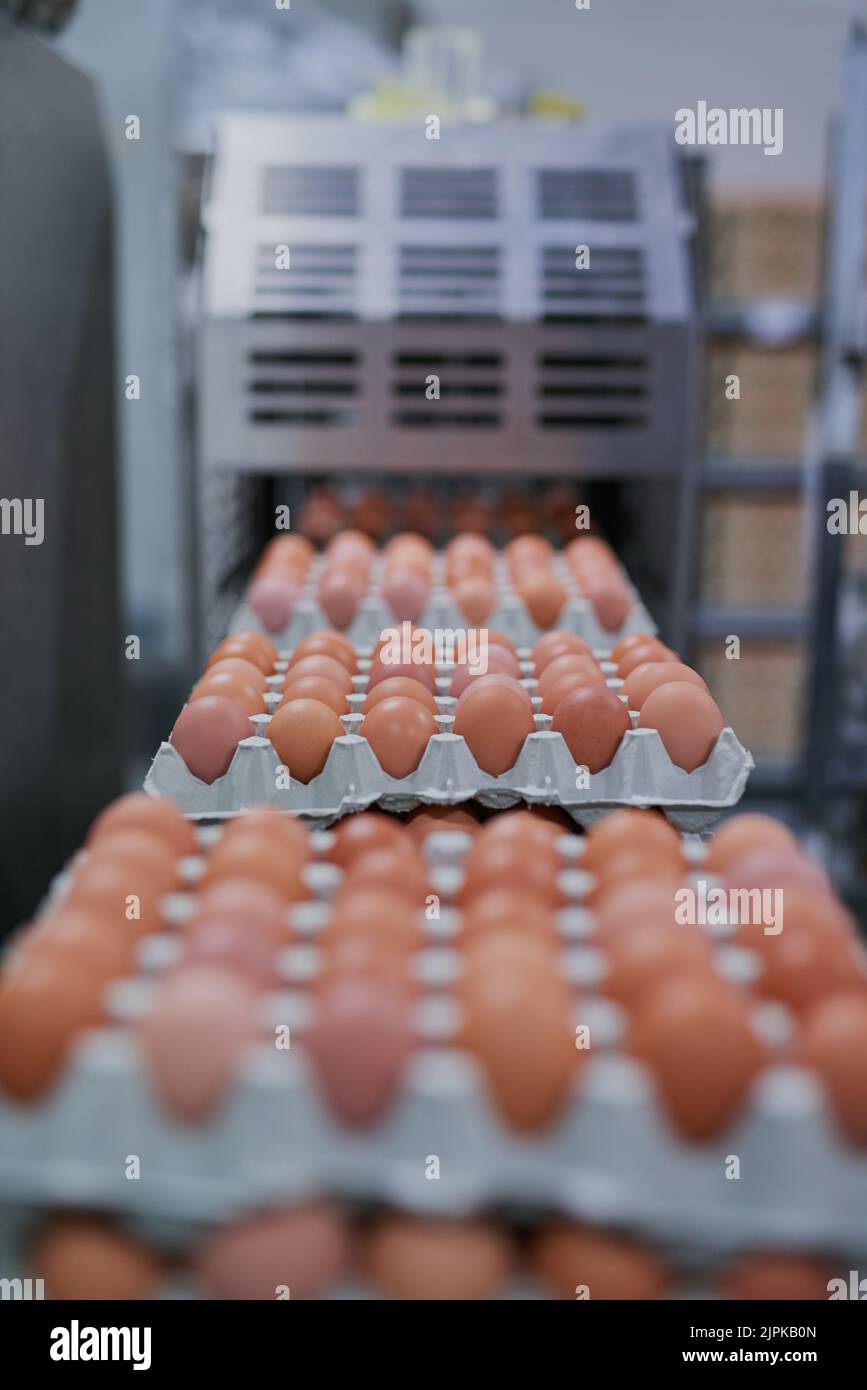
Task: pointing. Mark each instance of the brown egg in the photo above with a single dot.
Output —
(475, 597)
(405, 590)
(499, 909)
(303, 734)
(339, 594)
(45, 1004)
(741, 834)
(569, 664)
(801, 965)
(496, 659)
(626, 644)
(523, 827)
(496, 680)
(687, 720)
(327, 666)
(361, 954)
(610, 598)
(273, 598)
(502, 865)
(377, 911)
(360, 833)
(427, 820)
(398, 731)
(332, 644)
(510, 948)
(249, 646)
(641, 865)
(521, 1032)
(382, 670)
(143, 812)
(229, 686)
(642, 652)
(359, 1042)
(248, 902)
(289, 832)
(630, 906)
(571, 680)
(303, 1252)
(593, 722)
(207, 733)
(648, 677)
(529, 547)
(143, 852)
(402, 687)
(625, 830)
(544, 596)
(399, 868)
(82, 937)
(552, 645)
(641, 960)
(695, 1035)
(241, 667)
(782, 1278)
(576, 1262)
(80, 1257)
(409, 1258)
(833, 1043)
(253, 856)
(121, 890)
(318, 688)
(494, 721)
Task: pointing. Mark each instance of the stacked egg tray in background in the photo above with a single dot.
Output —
(438, 765)
(503, 1019)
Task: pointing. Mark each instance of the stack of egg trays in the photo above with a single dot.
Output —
(510, 614)
(640, 774)
(611, 1158)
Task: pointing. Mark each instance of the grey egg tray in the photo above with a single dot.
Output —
(510, 614)
(640, 774)
(611, 1159)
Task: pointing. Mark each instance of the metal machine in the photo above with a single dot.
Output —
(348, 263)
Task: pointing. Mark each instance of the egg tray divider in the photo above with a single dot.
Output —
(509, 615)
(611, 1159)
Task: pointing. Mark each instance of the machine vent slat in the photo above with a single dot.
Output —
(436, 282)
(467, 380)
(319, 281)
(463, 193)
(592, 391)
(306, 190)
(594, 195)
(303, 389)
(610, 289)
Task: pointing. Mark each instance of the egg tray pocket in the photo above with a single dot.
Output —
(509, 615)
(640, 774)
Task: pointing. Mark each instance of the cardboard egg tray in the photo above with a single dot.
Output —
(611, 1157)
(510, 613)
(640, 774)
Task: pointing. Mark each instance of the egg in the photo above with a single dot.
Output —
(403, 687)
(303, 734)
(327, 666)
(500, 909)
(360, 954)
(521, 1033)
(802, 964)
(494, 721)
(593, 722)
(475, 597)
(243, 901)
(253, 856)
(359, 1043)
(326, 643)
(399, 868)
(248, 646)
(553, 644)
(686, 719)
(630, 905)
(408, 1258)
(406, 593)
(273, 598)
(152, 813)
(143, 851)
(121, 890)
(45, 1004)
(206, 735)
(229, 686)
(495, 659)
(194, 1039)
(411, 670)
(523, 827)
(610, 598)
(288, 831)
(781, 1278)
(572, 663)
(339, 596)
(648, 677)
(638, 961)
(626, 644)
(626, 830)
(375, 910)
(772, 866)
(641, 653)
(241, 667)
(429, 820)
(833, 1043)
(742, 834)
(544, 596)
(82, 1258)
(398, 731)
(503, 864)
(304, 1251)
(495, 680)
(83, 937)
(317, 688)
(359, 833)
(231, 945)
(696, 1038)
(577, 1262)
